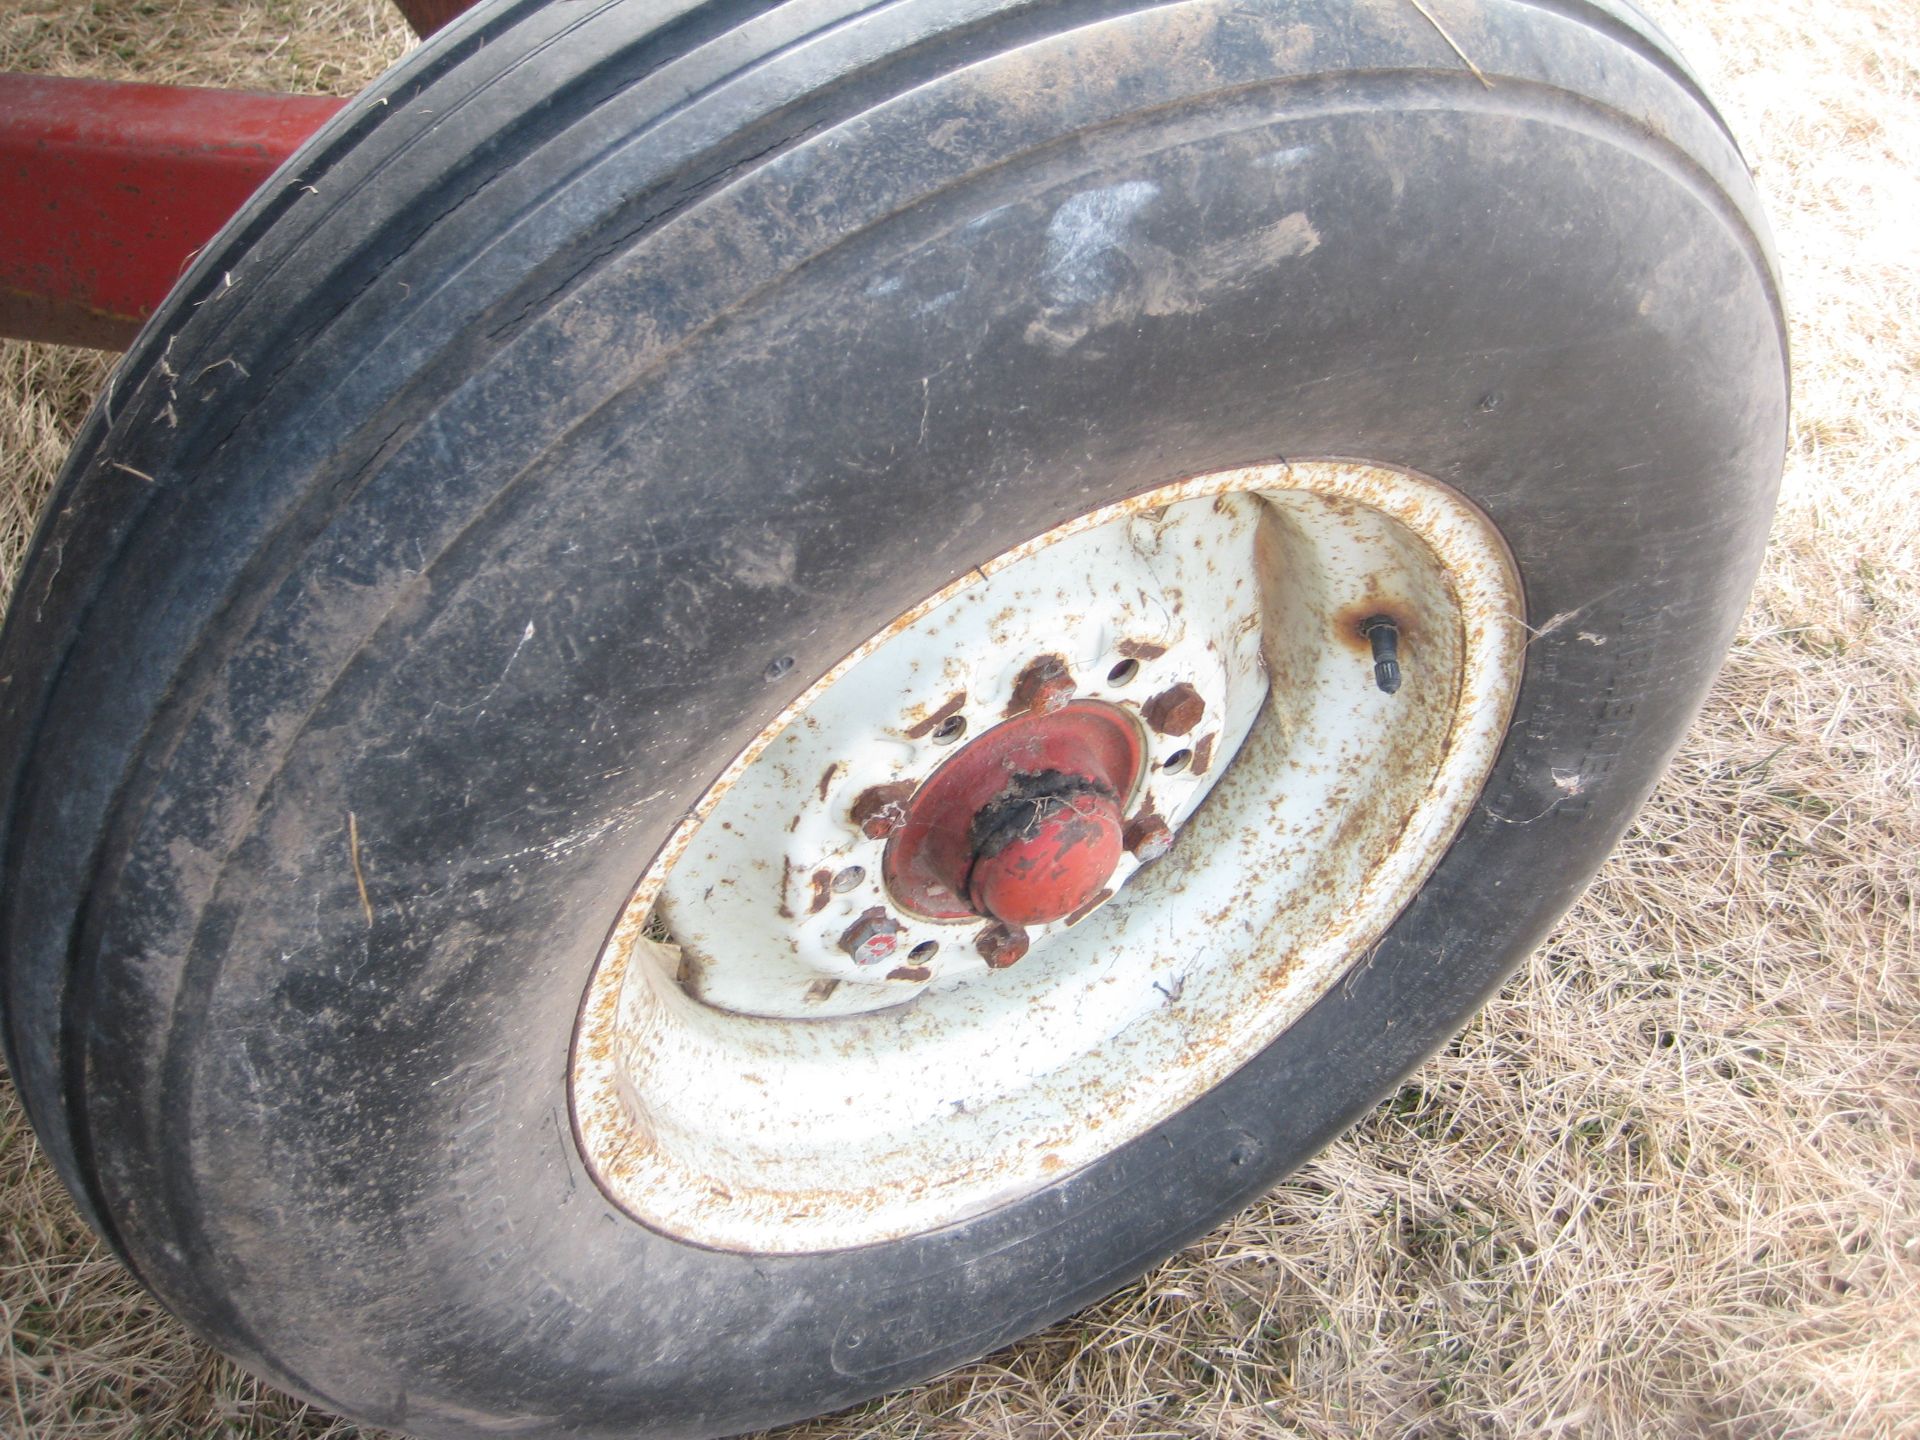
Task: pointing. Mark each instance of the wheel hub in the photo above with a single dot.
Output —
(1094, 695)
(1025, 825)
(1043, 851)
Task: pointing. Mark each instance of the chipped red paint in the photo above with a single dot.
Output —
(1053, 863)
(871, 938)
(110, 189)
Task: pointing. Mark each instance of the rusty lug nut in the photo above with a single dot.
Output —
(879, 810)
(872, 938)
(1384, 635)
(1175, 710)
(1001, 945)
(1044, 686)
(1148, 838)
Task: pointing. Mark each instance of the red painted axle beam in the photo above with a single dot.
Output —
(108, 190)
(427, 16)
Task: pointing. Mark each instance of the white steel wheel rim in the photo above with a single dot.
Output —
(755, 1088)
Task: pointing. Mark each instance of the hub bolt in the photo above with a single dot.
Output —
(872, 938)
(1148, 838)
(1044, 686)
(1176, 710)
(1000, 945)
(879, 810)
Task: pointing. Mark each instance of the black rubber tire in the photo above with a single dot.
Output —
(602, 355)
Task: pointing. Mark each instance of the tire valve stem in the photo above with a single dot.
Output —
(1384, 636)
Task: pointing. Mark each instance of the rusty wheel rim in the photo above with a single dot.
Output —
(1314, 666)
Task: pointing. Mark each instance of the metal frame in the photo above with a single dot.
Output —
(111, 188)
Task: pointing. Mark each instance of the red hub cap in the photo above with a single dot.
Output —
(1024, 825)
(1046, 853)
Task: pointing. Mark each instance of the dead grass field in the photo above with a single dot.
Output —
(1668, 1184)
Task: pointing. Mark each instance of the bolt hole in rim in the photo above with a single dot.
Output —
(776, 1055)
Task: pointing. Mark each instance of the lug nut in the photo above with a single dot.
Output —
(872, 938)
(1000, 945)
(1148, 838)
(1176, 710)
(879, 810)
(1043, 687)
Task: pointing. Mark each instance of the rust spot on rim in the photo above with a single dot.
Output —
(1202, 754)
(953, 706)
(1348, 620)
(822, 891)
(1087, 909)
(1141, 649)
(910, 972)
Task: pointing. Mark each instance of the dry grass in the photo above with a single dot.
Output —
(1668, 1184)
(329, 46)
